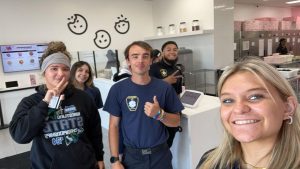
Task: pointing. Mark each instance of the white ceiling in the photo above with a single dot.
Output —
(273, 3)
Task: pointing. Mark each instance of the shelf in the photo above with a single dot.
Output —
(193, 33)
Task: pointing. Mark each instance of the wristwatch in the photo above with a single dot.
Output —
(113, 159)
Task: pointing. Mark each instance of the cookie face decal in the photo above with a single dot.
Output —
(102, 39)
(77, 24)
(122, 26)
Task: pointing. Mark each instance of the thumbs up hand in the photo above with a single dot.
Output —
(151, 109)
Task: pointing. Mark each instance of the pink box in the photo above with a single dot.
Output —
(237, 25)
(285, 25)
(266, 19)
(289, 18)
(259, 25)
(270, 25)
(252, 25)
(297, 22)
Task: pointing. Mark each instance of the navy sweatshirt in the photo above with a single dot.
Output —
(68, 137)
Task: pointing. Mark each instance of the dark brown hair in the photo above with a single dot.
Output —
(141, 44)
(77, 65)
(168, 43)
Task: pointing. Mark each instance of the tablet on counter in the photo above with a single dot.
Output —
(191, 98)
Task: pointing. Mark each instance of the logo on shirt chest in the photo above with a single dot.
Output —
(163, 73)
(132, 103)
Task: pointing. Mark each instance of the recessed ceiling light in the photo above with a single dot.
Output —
(293, 2)
(219, 6)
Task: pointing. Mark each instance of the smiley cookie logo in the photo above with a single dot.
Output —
(78, 24)
(102, 39)
(122, 26)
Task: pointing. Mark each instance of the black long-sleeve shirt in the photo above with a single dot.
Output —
(69, 137)
(282, 50)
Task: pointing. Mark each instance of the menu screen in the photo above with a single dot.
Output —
(16, 58)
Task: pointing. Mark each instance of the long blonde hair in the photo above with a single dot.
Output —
(286, 152)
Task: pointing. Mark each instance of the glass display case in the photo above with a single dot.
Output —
(204, 80)
(102, 62)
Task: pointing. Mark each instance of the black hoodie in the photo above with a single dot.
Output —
(69, 137)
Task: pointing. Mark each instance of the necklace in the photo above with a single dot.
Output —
(250, 166)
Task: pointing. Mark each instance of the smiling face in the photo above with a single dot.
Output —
(122, 26)
(82, 74)
(170, 53)
(139, 60)
(55, 73)
(248, 111)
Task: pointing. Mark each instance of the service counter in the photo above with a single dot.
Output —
(202, 129)
(9, 99)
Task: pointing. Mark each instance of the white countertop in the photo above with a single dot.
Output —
(2, 90)
(206, 103)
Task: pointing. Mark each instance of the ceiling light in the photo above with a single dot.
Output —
(293, 2)
(228, 8)
(219, 6)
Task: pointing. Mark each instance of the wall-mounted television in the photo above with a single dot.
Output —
(21, 57)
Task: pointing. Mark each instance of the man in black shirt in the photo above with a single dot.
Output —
(282, 48)
(166, 69)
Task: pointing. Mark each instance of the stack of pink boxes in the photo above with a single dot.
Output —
(268, 23)
(271, 24)
(261, 24)
(252, 25)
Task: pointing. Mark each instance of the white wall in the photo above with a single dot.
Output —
(223, 33)
(175, 11)
(248, 12)
(167, 12)
(211, 51)
(202, 46)
(34, 21)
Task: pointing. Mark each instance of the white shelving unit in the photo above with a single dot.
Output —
(199, 32)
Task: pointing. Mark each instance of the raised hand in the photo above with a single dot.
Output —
(171, 79)
(56, 91)
(151, 109)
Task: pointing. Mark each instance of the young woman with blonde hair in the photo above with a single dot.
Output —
(260, 114)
